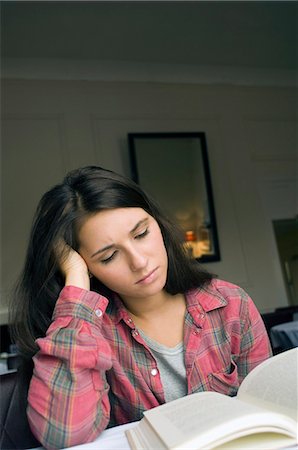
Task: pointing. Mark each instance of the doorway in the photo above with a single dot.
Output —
(286, 235)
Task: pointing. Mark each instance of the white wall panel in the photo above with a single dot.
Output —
(274, 155)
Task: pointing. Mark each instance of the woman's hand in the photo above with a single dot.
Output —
(73, 266)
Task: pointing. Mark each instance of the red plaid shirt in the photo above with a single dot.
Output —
(94, 370)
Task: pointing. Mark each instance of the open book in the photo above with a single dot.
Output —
(262, 416)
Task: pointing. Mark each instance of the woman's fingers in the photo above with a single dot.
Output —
(72, 265)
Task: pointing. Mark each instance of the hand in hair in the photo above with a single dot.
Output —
(72, 266)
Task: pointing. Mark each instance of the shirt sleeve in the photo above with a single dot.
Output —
(68, 394)
(255, 345)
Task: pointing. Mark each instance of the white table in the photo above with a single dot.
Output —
(111, 439)
(285, 335)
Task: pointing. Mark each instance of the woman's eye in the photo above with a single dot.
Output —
(143, 234)
(108, 259)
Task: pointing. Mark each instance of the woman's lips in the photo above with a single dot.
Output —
(148, 278)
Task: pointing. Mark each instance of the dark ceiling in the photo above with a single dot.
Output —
(247, 34)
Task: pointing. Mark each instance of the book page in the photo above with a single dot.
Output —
(259, 442)
(207, 417)
(274, 384)
(145, 437)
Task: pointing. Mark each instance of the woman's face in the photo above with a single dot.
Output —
(124, 249)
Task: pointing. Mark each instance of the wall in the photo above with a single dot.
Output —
(50, 127)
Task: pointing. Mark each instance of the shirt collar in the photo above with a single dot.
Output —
(207, 298)
(117, 310)
(203, 300)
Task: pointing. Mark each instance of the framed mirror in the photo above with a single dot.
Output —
(173, 168)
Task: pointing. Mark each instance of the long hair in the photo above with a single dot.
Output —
(82, 193)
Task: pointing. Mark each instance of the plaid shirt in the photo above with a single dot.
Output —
(94, 370)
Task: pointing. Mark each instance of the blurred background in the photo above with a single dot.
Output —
(78, 76)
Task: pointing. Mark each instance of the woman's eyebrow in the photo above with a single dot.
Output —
(108, 247)
(101, 250)
(141, 222)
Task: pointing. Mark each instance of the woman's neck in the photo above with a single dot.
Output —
(146, 307)
(161, 318)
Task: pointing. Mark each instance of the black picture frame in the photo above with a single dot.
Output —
(148, 152)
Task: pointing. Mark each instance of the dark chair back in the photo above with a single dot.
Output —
(15, 432)
(276, 318)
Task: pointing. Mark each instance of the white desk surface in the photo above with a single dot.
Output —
(111, 439)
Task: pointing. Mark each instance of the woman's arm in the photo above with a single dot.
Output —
(255, 345)
(68, 395)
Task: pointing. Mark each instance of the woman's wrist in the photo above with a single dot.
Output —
(80, 280)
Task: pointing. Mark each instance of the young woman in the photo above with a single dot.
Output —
(118, 319)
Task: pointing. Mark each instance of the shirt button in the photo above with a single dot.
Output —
(154, 372)
(98, 312)
(135, 333)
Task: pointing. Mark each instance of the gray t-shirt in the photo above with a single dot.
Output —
(170, 363)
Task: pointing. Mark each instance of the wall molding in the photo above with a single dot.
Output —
(94, 70)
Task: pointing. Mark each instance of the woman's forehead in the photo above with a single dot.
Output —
(111, 221)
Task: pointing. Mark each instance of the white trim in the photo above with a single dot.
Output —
(93, 70)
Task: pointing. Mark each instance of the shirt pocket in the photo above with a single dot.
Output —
(226, 381)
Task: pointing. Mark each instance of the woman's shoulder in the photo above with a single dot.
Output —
(226, 288)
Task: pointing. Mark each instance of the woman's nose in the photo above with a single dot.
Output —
(137, 260)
